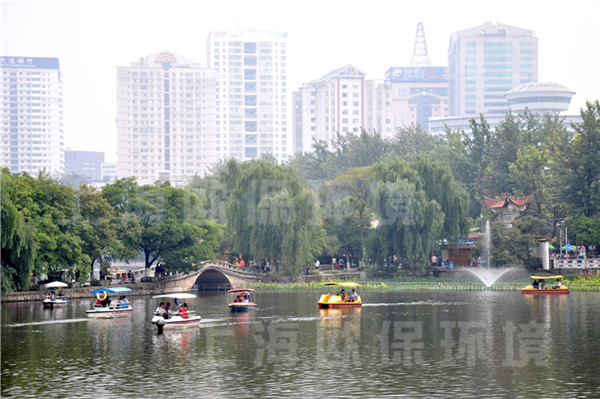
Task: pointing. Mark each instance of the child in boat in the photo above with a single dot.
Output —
(183, 312)
(237, 299)
(343, 295)
(160, 310)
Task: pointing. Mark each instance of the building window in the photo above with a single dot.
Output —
(249, 48)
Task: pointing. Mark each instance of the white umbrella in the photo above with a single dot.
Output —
(56, 284)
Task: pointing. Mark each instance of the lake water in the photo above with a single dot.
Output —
(412, 344)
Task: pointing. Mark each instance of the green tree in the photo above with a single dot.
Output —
(105, 235)
(478, 148)
(270, 215)
(19, 245)
(412, 140)
(576, 165)
(507, 139)
(587, 231)
(48, 205)
(346, 209)
(173, 230)
(414, 202)
(528, 174)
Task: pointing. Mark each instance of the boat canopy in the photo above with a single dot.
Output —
(176, 295)
(113, 290)
(546, 277)
(242, 290)
(56, 284)
(344, 284)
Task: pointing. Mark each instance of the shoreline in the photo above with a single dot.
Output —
(141, 289)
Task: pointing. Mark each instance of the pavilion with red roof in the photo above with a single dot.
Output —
(508, 208)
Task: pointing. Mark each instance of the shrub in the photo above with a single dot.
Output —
(95, 283)
(147, 279)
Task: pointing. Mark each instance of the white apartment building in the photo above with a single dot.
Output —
(32, 115)
(165, 119)
(377, 107)
(342, 101)
(251, 93)
(487, 61)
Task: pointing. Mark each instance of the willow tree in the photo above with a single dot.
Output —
(19, 245)
(417, 204)
(346, 209)
(270, 216)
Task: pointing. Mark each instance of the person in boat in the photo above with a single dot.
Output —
(343, 295)
(105, 302)
(237, 299)
(125, 302)
(543, 284)
(536, 284)
(160, 310)
(244, 298)
(558, 283)
(353, 296)
(183, 312)
(98, 303)
(60, 294)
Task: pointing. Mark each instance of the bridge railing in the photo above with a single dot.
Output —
(240, 269)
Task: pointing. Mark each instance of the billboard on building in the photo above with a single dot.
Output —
(29, 62)
(417, 74)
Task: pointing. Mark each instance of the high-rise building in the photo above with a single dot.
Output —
(487, 61)
(165, 118)
(418, 91)
(251, 93)
(84, 163)
(32, 115)
(329, 105)
(377, 107)
(342, 101)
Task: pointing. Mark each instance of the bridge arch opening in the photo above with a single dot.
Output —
(212, 280)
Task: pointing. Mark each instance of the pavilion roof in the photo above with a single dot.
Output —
(505, 201)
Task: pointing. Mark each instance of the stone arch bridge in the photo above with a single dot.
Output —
(213, 275)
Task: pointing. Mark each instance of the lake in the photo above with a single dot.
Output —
(412, 344)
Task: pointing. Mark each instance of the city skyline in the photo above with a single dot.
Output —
(333, 37)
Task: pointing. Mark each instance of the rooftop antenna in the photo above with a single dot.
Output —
(420, 57)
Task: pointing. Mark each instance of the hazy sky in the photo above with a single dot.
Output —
(91, 38)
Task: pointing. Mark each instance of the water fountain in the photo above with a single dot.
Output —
(485, 273)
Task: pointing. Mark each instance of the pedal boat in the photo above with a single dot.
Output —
(111, 311)
(50, 301)
(539, 287)
(245, 304)
(174, 320)
(335, 301)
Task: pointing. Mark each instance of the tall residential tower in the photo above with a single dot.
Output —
(32, 115)
(251, 93)
(165, 119)
(487, 61)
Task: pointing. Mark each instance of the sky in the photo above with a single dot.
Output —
(92, 38)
